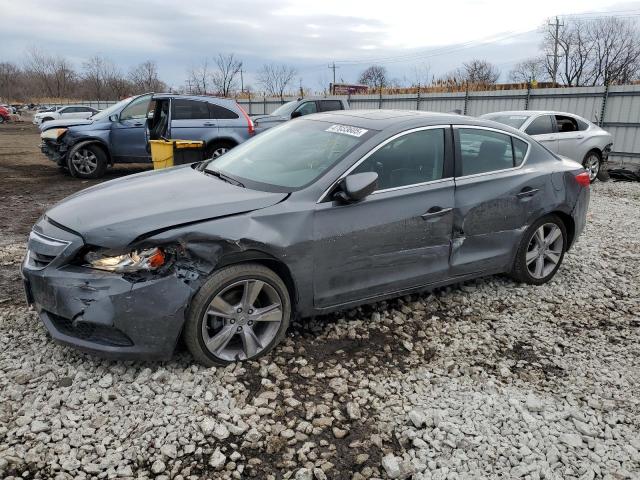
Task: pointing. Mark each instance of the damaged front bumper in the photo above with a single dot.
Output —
(54, 151)
(101, 312)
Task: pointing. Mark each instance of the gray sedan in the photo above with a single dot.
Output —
(564, 133)
(321, 214)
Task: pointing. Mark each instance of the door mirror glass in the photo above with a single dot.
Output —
(114, 117)
(296, 114)
(357, 186)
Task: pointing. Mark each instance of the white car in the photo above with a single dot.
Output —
(563, 133)
(65, 112)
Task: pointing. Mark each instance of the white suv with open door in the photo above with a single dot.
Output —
(566, 134)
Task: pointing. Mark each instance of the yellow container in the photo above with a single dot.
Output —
(163, 152)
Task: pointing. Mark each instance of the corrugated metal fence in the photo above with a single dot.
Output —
(616, 108)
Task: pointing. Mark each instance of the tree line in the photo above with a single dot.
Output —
(597, 51)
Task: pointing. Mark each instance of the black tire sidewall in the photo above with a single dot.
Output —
(213, 146)
(584, 160)
(218, 282)
(520, 271)
(100, 155)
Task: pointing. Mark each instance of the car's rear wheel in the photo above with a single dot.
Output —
(541, 251)
(1, 119)
(591, 163)
(240, 313)
(216, 149)
(87, 161)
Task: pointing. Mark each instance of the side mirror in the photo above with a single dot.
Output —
(354, 188)
(114, 118)
(296, 115)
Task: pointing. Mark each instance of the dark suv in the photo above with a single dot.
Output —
(120, 134)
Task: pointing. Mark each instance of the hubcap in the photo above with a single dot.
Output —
(592, 164)
(85, 161)
(219, 151)
(544, 250)
(242, 320)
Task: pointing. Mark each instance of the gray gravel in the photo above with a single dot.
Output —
(489, 379)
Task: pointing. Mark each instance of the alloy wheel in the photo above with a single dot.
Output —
(592, 165)
(219, 151)
(85, 161)
(242, 320)
(544, 250)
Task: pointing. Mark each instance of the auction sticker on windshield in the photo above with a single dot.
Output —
(347, 130)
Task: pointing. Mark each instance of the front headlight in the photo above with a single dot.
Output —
(53, 133)
(149, 259)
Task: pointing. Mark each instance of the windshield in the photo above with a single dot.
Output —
(514, 120)
(286, 109)
(107, 112)
(290, 155)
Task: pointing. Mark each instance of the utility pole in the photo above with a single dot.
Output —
(301, 90)
(333, 85)
(557, 26)
(241, 82)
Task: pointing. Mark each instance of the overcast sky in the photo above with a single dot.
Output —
(402, 35)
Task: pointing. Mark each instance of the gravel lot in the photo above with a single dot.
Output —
(490, 379)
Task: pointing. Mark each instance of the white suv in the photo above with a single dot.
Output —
(69, 111)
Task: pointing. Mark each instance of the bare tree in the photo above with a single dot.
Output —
(615, 50)
(116, 82)
(95, 76)
(275, 78)
(225, 76)
(199, 78)
(11, 82)
(144, 77)
(574, 50)
(529, 70)
(54, 74)
(374, 76)
(480, 72)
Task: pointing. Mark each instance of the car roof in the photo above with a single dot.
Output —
(206, 98)
(530, 113)
(382, 119)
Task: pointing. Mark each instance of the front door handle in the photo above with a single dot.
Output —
(527, 192)
(435, 212)
(209, 124)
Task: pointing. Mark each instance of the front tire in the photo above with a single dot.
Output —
(592, 163)
(240, 313)
(87, 161)
(217, 149)
(541, 251)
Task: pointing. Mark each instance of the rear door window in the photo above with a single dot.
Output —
(330, 105)
(541, 126)
(484, 151)
(190, 110)
(566, 124)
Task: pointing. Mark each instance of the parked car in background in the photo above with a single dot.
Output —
(5, 115)
(319, 214)
(120, 133)
(298, 108)
(565, 134)
(66, 112)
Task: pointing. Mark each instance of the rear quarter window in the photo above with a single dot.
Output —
(216, 111)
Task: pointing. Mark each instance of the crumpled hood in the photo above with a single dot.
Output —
(113, 214)
(70, 122)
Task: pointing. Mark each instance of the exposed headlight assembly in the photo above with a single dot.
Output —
(53, 133)
(149, 259)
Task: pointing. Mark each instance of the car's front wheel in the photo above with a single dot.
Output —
(87, 161)
(591, 163)
(240, 313)
(541, 251)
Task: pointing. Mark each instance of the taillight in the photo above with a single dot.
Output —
(250, 128)
(583, 179)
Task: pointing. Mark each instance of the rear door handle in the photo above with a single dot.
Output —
(550, 139)
(527, 192)
(435, 212)
(209, 124)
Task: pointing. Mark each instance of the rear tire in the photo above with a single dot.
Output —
(215, 149)
(541, 251)
(87, 161)
(592, 162)
(1, 119)
(223, 305)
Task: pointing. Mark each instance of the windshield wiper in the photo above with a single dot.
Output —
(224, 177)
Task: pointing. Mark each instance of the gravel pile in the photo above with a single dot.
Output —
(489, 379)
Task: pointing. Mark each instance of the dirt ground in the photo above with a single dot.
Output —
(29, 184)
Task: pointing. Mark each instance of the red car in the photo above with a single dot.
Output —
(5, 116)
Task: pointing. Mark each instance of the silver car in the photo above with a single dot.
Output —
(563, 133)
